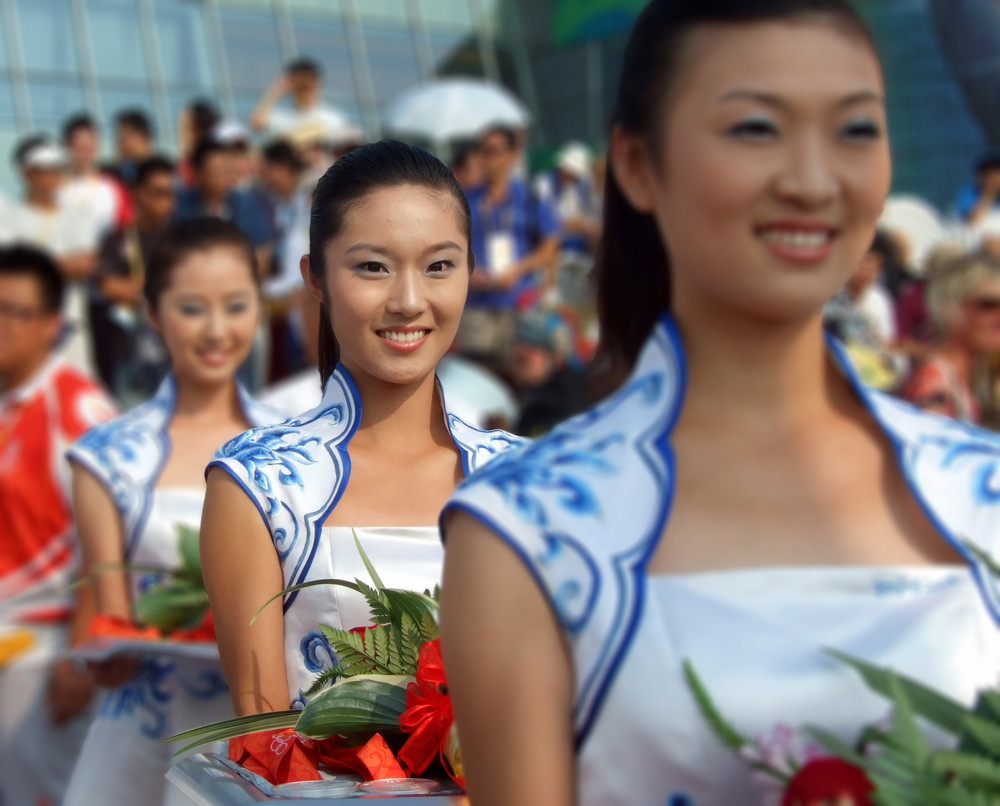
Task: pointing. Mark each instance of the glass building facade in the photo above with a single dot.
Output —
(562, 57)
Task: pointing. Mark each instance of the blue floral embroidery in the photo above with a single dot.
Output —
(311, 646)
(265, 454)
(205, 685)
(145, 696)
(984, 453)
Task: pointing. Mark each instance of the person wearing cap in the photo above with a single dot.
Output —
(302, 83)
(40, 220)
(515, 240)
(977, 199)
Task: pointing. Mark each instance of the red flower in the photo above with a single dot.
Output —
(428, 715)
(829, 781)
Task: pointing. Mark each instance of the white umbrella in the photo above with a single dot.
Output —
(452, 108)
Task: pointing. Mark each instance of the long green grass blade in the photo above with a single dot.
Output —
(343, 583)
(942, 711)
(240, 726)
(726, 733)
(368, 563)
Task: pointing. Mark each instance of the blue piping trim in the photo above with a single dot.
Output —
(652, 540)
(845, 365)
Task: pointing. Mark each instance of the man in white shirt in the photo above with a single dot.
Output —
(41, 221)
(302, 83)
(87, 192)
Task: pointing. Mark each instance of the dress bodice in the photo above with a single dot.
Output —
(158, 544)
(405, 557)
(757, 639)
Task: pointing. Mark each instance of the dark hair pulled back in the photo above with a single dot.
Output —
(633, 264)
(388, 163)
(186, 236)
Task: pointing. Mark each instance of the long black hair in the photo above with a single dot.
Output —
(348, 181)
(633, 263)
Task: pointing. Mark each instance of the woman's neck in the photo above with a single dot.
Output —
(960, 358)
(207, 403)
(400, 414)
(755, 374)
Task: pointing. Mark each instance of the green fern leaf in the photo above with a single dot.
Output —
(973, 772)
(325, 678)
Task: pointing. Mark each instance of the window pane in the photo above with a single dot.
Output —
(53, 101)
(392, 10)
(251, 42)
(180, 31)
(456, 53)
(46, 32)
(446, 12)
(7, 109)
(334, 7)
(115, 38)
(392, 59)
(327, 44)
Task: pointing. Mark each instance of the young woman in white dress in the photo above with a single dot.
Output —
(138, 477)
(741, 500)
(389, 259)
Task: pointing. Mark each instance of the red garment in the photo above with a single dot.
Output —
(38, 421)
(935, 386)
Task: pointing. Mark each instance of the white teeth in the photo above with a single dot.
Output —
(404, 338)
(796, 238)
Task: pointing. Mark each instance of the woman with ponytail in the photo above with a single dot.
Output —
(742, 501)
(389, 259)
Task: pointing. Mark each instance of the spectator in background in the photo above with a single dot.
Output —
(550, 387)
(282, 171)
(88, 192)
(979, 198)
(41, 221)
(467, 165)
(515, 240)
(964, 301)
(914, 327)
(302, 83)
(568, 189)
(862, 312)
(45, 406)
(131, 358)
(134, 142)
(197, 119)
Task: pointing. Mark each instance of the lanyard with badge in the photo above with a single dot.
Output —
(500, 252)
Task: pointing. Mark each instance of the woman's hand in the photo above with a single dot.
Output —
(70, 690)
(115, 671)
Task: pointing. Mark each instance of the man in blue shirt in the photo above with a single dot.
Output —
(976, 200)
(515, 238)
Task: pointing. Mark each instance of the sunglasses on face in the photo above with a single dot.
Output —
(984, 304)
(19, 313)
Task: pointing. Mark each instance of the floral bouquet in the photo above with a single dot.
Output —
(891, 763)
(383, 712)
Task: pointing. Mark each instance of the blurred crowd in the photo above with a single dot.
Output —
(529, 328)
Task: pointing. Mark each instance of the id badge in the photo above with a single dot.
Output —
(500, 253)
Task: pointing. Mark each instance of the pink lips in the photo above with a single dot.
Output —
(798, 242)
(404, 340)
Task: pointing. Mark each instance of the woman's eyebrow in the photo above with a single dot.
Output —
(772, 99)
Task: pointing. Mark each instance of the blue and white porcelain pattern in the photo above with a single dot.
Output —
(124, 759)
(295, 473)
(584, 508)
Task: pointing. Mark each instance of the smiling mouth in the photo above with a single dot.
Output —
(797, 238)
(402, 337)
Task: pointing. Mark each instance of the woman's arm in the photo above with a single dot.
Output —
(509, 673)
(242, 572)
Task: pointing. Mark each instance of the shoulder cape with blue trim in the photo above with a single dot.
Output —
(296, 471)
(128, 454)
(584, 506)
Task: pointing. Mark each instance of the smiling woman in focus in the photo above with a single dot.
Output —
(390, 261)
(741, 501)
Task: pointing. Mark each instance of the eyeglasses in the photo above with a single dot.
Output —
(984, 304)
(19, 313)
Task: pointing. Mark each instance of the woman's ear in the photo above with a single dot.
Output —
(628, 160)
(314, 288)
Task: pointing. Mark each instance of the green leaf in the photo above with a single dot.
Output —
(942, 711)
(365, 704)
(171, 607)
(974, 772)
(981, 736)
(188, 544)
(725, 732)
(835, 745)
(240, 726)
(323, 679)
(343, 583)
(368, 563)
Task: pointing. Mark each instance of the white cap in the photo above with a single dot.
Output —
(230, 132)
(46, 156)
(574, 158)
